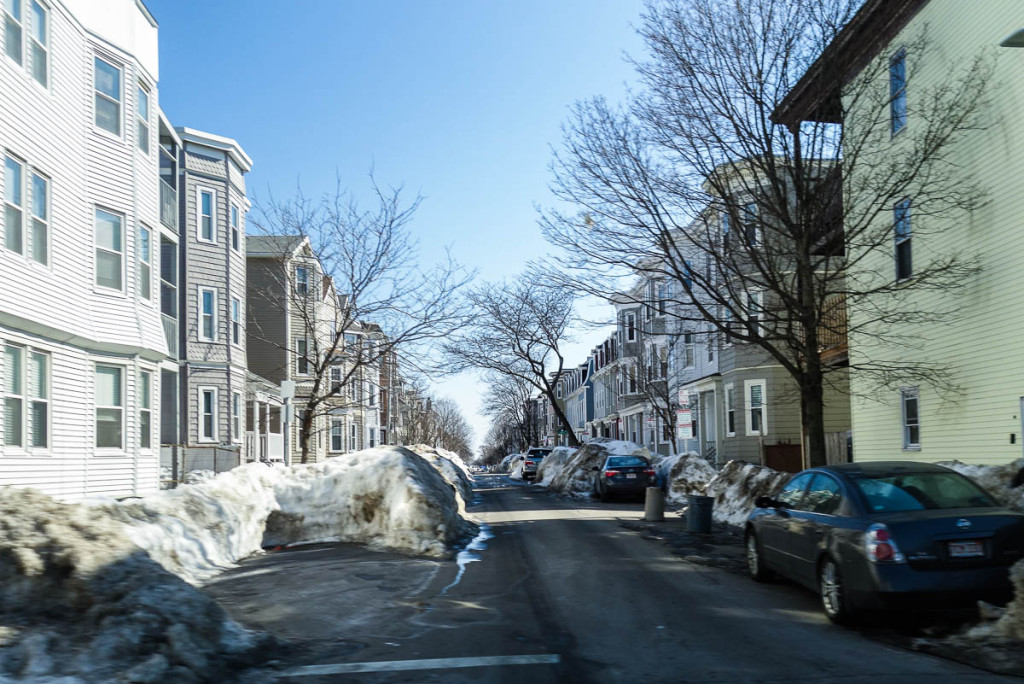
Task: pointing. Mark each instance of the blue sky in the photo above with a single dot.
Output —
(459, 101)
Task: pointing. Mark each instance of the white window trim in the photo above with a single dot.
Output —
(200, 415)
(200, 313)
(905, 393)
(234, 322)
(630, 330)
(725, 397)
(139, 264)
(305, 268)
(299, 356)
(23, 208)
(235, 219)
(199, 215)
(123, 253)
(45, 47)
(150, 410)
(29, 230)
(236, 416)
(144, 87)
(748, 406)
(120, 102)
(22, 24)
(102, 451)
(330, 435)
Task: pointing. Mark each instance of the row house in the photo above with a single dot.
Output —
(604, 422)
(908, 50)
(577, 387)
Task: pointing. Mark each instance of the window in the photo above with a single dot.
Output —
(751, 229)
(302, 357)
(142, 119)
(373, 437)
(754, 312)
(301, 280)
(109, 407)
(824, 496)
(13, 29)
(145, 248)
(40, 219)
(688, 360)
(730, 411)
(793, 493)
(14, 205)
(337, 434)
(630, 327)
(755, 407)
(107, 84)
(14, 396)
(352, 436)
(902, 233)
(235, 230)
(207, 227)
(40, 42)
(109, 250)
(372, 392)
(898, 91)
(145, 410)
(662, 299)
(236, 416)
(207, 414)
(236, 321)
(207, 314)
(725, 227)
(336, 379)
(911, 419)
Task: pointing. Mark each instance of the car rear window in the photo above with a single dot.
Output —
(626, 461)
(537, 455)
(922, 491)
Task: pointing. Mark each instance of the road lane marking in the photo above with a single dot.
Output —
(426, 664)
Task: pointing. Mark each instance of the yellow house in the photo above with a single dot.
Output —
(944, 379)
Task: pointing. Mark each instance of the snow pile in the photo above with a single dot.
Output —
(738, 485)
(451, 467)
(552, 464)
(575, 476)
(1001, 481)
(517, 469)
(508, 464)
(684, 474)
(77, 598)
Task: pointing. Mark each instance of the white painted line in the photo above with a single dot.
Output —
(427, 664)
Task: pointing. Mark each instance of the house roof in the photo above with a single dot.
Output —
(273, 245)
(816, 95)
(218, 142)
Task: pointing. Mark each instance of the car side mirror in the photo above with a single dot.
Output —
(766, 502)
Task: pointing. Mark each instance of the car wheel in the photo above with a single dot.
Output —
(759, 572)
(605, 496)
(834, 599)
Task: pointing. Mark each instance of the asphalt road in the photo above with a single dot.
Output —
(561, 593)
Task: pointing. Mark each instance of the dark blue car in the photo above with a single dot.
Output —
(880, 535)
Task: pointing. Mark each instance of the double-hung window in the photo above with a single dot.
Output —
(751, 229)
(301, 280)
(40, 42)
(688, 360)
(898, 92)
(630, 327)
(39, 399)
(755, 401)
(207, 228)
(109, 250)
(14, 396)
(911, 419)
(107, 84)
(730, 411)
(207, 414)
(352, 437)
(236, 416)
(373, 437)
(336, 379)
(754, 312)
(13, 29)
(142, 119)
(337, 434)
(236, 240)
(145, 249)
(14, 205)
(902, 233)
(40, 219)
(26, 384)
(109, 407)
(145, 410)
(207, 314)
(236, 321)
(302, 357)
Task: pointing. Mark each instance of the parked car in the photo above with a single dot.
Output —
(534, 455)
(886, 534)
(623, 475)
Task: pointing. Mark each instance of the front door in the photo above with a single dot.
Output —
(708, 431)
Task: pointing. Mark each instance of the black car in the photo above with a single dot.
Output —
(623, 475)
(880, 535)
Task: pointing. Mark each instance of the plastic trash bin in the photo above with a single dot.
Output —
(698, 518)
(654, 505)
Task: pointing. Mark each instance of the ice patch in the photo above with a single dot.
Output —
(470, 554)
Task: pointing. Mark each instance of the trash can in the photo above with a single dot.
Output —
(698, 518)
(654, 505)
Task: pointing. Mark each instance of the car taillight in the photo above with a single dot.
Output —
(650, 472)
(529, 463)
(611, 473)
(881, 546)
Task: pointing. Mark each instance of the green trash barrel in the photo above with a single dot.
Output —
(698, 518)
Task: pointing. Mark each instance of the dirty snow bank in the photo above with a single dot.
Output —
(738, 485)
(552, 464)
(575, 477)
(684, 474)
(452, 468)
(508, 464)
(79, 599)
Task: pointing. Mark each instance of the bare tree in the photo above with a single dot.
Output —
(452, 431)
(502, 439)
(765, 212)
(351, 281)
(508, 398)
(517, 330)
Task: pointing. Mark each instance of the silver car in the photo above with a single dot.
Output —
(534, 456)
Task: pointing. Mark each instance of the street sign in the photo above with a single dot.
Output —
(287, 389)
(684, 423)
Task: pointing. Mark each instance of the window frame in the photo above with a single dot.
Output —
(689, 350)
(201, 435)
(236, 417)
(903, 233)
(729, 399)
(631, 327)
(120, 254)
(898, 93)
(236, 321)
(302, 356)
(200, 191)
(145, 404)
(236, 229)
(44, 46)
(20, 24)
(353, 435)
(910, 394)
(762, 408)
(16, 394)
(302, 286)
(201, 314)
(9, 203)
(120, 408)
(119, 134)
(142, 122)
(35, 219)
(144, 263)
(338, 423)
(752, 224)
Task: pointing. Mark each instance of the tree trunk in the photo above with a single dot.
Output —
(305, 433)
(812, 418)
(562, 420)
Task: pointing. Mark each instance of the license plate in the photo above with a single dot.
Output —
(630, 476)
(966, 549)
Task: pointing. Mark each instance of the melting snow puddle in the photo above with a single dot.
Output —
(470, 555)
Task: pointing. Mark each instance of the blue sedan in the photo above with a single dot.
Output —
(881, 535)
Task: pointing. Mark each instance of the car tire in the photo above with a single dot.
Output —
(835, 602)
(759, 572)
(605, 496)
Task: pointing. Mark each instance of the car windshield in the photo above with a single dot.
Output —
(536, 456)
(625, 462)
(922, 491)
